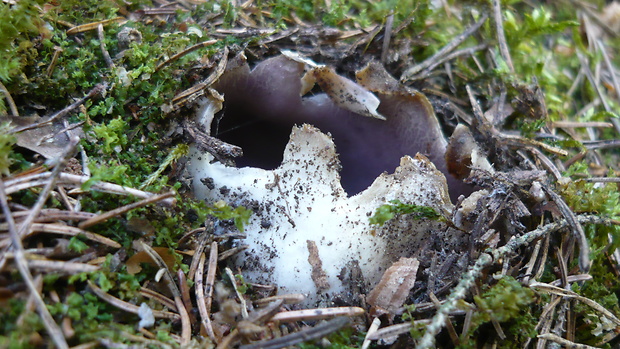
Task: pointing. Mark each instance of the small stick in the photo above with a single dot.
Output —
(501, 36)
(186, 326)
(462, 52)
(184, 52)
(580, 235)
(22, 265)
(200, 299)
(120, 210)
(62, 229)
(9, 99)
(184, 288)
(128, 307)
(98, 89)
(104, 50)
(374, 326)
(92, 26)
(158, 297)
(202, 245)
(317, 314)
(444, 50)
(575, 124)
(389, 23)
(233, 281)
(602, 179)
(52, 66)
(288, 340)
(293, 298)
(211, 275)
(564, 342)
(38, 179)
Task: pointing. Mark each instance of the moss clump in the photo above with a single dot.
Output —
(508, 303)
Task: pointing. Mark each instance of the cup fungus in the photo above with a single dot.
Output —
(307, 235)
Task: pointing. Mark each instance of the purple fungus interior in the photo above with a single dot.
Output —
(262, 106)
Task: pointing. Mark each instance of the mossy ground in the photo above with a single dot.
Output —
(130, 136)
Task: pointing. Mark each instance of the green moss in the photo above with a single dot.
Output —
(388, 211)
(508, 303)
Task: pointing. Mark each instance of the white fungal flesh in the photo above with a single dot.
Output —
(303, 200)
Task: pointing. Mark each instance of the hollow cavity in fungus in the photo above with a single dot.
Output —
(307, 235)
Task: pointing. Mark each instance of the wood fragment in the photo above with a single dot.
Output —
(120, 210)
(501, 35)
(233, 281)
(312, 333)
(92, 26)
(9, 99)
(104, 50)
(126, 306)
(564, 342)
(184, 52)
(186, 327)
(317, 314)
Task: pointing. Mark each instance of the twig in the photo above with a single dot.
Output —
(98, 89)
(55, 228)
(52, 66)
(38, 179)
(233, 281)
(20, 260)
(184, 52)
(92, 26)
(580, 235)
(451, 56)
(501, 36)
(9, 99)
(389, 23)
(444, 50)
(315, 332)
(293, 298)
(486, 259)
(104, 50)
(564, 342)
(128, 307)
(199, 288)
(120, 210)
(317, 314)
(374, 326)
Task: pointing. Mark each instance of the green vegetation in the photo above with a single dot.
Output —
(386, 212)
